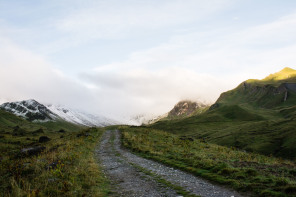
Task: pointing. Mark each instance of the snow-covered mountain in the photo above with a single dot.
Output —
(37, 112)
(30, 110)
(79, 117)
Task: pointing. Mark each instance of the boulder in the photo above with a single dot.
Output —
(186, 138)
(38, 131)
(83, 134)
(31, 151)
(43, 139)
(62, 131)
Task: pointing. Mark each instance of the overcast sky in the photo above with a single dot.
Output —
(121, 58)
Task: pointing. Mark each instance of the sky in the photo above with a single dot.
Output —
(124, 58)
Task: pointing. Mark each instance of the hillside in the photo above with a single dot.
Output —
(276, 90)
(257, 116)
(249, 172)
(41, 156)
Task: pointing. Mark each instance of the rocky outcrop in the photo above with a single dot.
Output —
(185, 108)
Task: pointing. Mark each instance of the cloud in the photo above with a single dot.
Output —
(116, 19)
(25, 75)
(141, 91)
(190, 67)
(221, 51)
(192, 62)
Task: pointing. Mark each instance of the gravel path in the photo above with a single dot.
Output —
(123, 169)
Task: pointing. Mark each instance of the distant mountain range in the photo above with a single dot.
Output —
(36, 112)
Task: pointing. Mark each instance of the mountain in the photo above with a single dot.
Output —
(278, 89)
(34, 111)
(257, 116)
(182, 109)
(30, 110)
(80, 118)
(186, 108)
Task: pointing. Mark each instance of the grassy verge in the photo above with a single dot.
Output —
(66, 167)
(247, 172)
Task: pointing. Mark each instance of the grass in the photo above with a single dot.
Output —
(257, 116)
(74, 170)
(156, 177)
(8, 121)
(263, 131)
(248, 172)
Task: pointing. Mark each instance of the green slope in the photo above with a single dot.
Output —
(256, 174)
(258, 116)
(8, 121)
(65, 167)
(276, 90)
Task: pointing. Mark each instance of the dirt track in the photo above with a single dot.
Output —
(132, 175)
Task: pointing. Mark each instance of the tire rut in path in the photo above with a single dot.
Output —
(118, 164)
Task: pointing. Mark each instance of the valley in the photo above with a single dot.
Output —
(150, 98)
(242, 145)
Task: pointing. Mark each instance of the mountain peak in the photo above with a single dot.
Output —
(285, 73)
(185, 108)
(287, 69)
(30, 110)
(30, 101)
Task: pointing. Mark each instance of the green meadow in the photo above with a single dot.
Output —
(252, 173)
